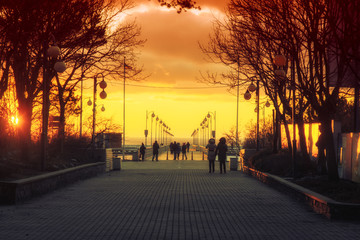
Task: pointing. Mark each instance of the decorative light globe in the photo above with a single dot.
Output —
(153, 115)
(247, 95)
(208, 115)
(103, 94)
(60, 67)
(267, 104)
(252, 87)
(280, 60)
(103, 108)
(53, 51)
(103, 84)
(89, 103)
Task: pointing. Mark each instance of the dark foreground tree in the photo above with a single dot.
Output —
(29, 27)
(315, 38)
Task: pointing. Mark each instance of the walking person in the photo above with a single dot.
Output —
(211, 154)
(171, 147)
(177, 151)
(188, 146)
(183, 151)
(142, 152)
(155, 151)
(221, 150)
(174, 146)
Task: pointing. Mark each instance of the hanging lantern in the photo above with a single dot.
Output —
(208, 115)
(103, 108)
(89, 102)
(60, 67)
(103, 94)
(252, 87)
(103, 84)
(53, 51)
(153, 115)
(280, 60)
(267, 104)
(247, 95)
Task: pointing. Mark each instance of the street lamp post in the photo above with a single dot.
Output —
(160, 130)
(103, 95)
(53, 52)
(247, 96)
(200, 135)
(280, 62)
(152, 118)
(81, 99)
(156, 123)
(237, 107)
(146, 130)
(211, 115)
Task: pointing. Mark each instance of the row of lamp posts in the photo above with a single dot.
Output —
(206, 131)
(162, 130)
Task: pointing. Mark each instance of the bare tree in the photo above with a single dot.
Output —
(314, 37)
(100, 55)
(29, 27)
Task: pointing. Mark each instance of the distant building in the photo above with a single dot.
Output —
(109, 140)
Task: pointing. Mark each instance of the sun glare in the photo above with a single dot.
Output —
(14, 120)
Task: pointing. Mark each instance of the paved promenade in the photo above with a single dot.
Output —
(168, 200)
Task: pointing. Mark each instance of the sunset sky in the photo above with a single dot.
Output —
(174, 62)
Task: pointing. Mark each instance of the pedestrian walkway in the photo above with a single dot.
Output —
(192, 155)
(168, 200)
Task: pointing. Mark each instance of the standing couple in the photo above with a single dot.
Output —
(219, 150)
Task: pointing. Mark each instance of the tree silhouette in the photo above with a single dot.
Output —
(77, 26)
(180, 5)
(313, 35)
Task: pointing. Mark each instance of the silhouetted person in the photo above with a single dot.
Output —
(183, 151)
(155, 151)
(188, 146)
(221, 150)
(177, 151)
(211, 154)
(171, 147)
(174, 149)
(321, 144)
(142, 152)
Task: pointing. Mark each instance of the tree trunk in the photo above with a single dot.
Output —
(303, 146)
(276, 132)
(330, 150)
(62, 127)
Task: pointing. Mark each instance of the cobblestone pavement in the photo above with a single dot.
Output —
(168, 200)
